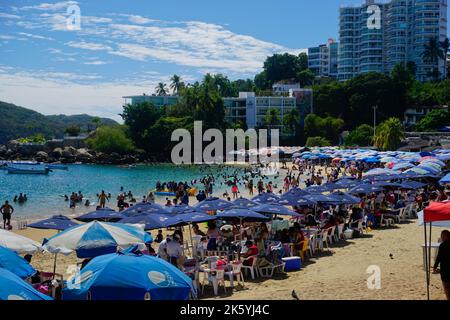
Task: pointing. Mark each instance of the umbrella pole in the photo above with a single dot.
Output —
(426, 260)
(429, 259)
(192, 242)
(54, 266)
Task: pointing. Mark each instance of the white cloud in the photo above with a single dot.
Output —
(96, 62)
(8, 16)
(58, 93)
(50, 6)
(35, 36)
(88, 45)
(139, 19)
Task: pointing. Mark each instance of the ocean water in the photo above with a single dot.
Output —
(45, 193)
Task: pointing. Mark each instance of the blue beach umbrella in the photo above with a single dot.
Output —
(96, 238)
(14, 288)
(412, 185)
(181, 208)
(11, 261)
(402, 165)
(151, 221)
(190, 217)
(320, 198)
(365, 189)
(101, 214)
(244, 203)
(212, 204)
(272, 208)
(445, 179)
(344, 198)
(58, 222)
(327, 187)
(295, 200)
(265, 197)
(346, 183)
(242, 214)
(144, 207)
(129, 276)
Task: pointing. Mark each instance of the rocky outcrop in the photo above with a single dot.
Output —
(69, 154)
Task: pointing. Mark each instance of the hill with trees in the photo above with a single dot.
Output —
(18, 122)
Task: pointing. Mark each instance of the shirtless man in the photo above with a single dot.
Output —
(103, 197)
(6, 210)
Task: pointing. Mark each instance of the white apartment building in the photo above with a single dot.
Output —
(406, 28)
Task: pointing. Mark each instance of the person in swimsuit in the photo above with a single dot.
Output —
(6, 210)
(102, 198)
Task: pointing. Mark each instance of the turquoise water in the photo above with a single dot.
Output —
(45, 192)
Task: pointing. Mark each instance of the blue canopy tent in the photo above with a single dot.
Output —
(101, 214)
(58, 222)
(129, 276)
(14, 288)
(212, 204)
(11, 261)
(265, 197)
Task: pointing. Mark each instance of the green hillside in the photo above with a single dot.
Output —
(17, 122)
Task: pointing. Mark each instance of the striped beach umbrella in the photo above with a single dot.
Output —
(96, 238)
(18, 243)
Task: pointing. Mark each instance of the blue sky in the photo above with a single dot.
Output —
(127, 47)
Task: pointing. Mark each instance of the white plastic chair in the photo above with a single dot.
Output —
(340, 231)
(253, 268)
(331, 235)
(236, 272)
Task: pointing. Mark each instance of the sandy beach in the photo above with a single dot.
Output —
(337, 274)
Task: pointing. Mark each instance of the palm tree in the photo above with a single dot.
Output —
(161, 89)
(176, 84)
(291, 119)
(389, 134)
(272, 118)
(431, 54)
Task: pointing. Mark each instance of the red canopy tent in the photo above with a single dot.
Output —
(437, 211)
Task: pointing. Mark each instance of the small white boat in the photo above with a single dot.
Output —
(33, 169)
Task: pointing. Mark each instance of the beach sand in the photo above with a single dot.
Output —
(339, 274)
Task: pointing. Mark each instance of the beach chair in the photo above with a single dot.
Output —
(332, 235)
(386, 222)
(215, 277)
(323, 239)
(312, 244)
(253, 268)
(340, 231)
(236, 271)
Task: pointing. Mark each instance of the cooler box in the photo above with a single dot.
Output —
(292, 264)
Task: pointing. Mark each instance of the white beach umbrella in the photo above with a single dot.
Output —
(96, 238)
(18, 243)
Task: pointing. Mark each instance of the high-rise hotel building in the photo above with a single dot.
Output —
(404, 30)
